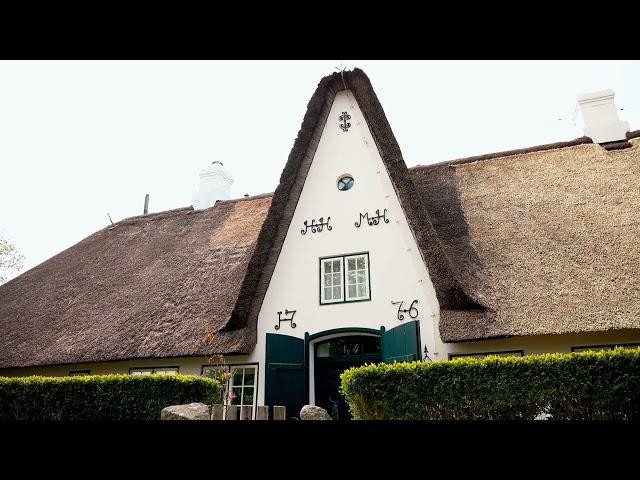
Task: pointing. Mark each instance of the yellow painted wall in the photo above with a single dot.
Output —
(187, 366)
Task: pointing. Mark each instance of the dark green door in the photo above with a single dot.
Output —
(284, 380)
(332, 357)
(401, 343)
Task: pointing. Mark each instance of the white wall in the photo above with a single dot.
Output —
(397, 270)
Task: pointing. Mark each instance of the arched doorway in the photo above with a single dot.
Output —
(332, 357)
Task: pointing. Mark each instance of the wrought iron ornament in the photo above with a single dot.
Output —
(375, 220)
(286, 314)
(344, 125)
(316, 227)
(413, 311)
(426, 357)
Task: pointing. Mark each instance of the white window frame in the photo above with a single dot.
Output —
(154, 370)
(502, 353)
(366, 296)
(323, 261)
(345, 298)
(254, 386)
(229, 369)
(598, 348)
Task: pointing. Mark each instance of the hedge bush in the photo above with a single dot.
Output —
(589, 385)
(101, 397)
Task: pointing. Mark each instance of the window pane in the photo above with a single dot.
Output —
(327, 280)
(249, 376)
(360, 263)
(361, 276)
(336, 293)
(236, 396)
(336, 266)
(337, 279)
(362, 291)
(352, 291)
(351, 277)
(327, 267)
(327, 294)
(248, 396)
(351, 263)
(237, 377)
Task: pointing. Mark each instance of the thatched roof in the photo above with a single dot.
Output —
(146, 287)
(549, 236)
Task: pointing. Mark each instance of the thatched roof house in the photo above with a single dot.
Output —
(538, 241)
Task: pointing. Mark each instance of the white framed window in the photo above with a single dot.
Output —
(154, 370)
(357, 269)
(507, 353)
(242, 386)
(332, 280)
(345, 278)
(596, 348)
(165, 370)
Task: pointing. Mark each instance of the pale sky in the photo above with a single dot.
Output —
(80, 139)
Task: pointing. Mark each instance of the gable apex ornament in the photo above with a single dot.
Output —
(344, 124)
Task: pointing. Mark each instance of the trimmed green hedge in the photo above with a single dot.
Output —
(101, 397)
(589, 385)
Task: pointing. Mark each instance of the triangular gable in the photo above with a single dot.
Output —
(448, 288)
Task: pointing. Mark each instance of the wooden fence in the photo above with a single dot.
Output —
(246, 411)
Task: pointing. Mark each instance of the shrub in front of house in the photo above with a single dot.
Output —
(101, 397)
(589, 385)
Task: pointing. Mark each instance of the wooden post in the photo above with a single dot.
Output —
(217, 412)
(262, 413)
(146, 204)
(232, 412)
(246, 412)
(279, 412)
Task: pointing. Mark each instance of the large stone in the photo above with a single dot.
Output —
(311, 412)
(191, 411)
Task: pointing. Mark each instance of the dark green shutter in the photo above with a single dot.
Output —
(401, 344)
(285, 382)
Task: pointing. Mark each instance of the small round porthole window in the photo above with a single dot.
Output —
(345, 182)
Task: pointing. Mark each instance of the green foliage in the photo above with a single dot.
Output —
(589, 385)
(101, 397)
(10, 260)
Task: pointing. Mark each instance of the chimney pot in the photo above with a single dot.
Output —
(215, 184)
(601, 122)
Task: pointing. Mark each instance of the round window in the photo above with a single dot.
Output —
(345, 182)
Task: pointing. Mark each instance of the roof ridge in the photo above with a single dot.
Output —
(165, 213)
(506, 153)
(519, 151)
(154, 215)
(242, 199)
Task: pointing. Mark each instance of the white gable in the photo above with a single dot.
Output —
(397, 271)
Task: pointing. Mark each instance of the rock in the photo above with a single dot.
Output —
(311, 412)
(192, 411)
(543, 416)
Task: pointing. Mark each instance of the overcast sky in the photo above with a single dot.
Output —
(80, 139)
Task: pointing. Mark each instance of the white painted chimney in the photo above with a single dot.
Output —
(215, 184)
(601, 122)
